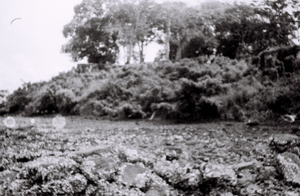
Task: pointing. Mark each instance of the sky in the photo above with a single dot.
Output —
(30, 47)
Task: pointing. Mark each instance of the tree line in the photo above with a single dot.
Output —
(100, 27)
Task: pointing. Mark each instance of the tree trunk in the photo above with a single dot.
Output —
(167, 41)
(129, 53)
(141, 52)
(178, 51)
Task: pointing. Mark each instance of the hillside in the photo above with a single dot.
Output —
(188, 89)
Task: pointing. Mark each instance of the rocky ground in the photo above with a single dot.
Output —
(152, 158)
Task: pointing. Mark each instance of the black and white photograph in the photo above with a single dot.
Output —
(150, 98)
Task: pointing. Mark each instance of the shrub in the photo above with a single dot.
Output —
(132, 111)
(43, 102)
(65, 101)
(17, 101)
(189, 88)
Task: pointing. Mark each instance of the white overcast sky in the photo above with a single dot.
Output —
(30, 47)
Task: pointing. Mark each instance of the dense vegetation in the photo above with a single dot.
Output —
(100, 27)
(188, 89)
(248, 78)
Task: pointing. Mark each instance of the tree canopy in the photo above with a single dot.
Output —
(100, 27)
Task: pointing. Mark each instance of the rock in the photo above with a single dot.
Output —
(16, 187)
(252, 123)
(57, 187)
(133, 175)
(289, 165)
(49, 168)
(253, 188)
(282, 142)
(178, 173)
(285, 137)
(266, 173)
(97, 150)
(98, 167)
(156, 191)
(115, 189)
(245, 177)
(178, 137)
(245, 180)
(290, 193)
(221, 172)
(244, 165)
(172, 152)
(78, 182)
(135, 155)
(5, 178)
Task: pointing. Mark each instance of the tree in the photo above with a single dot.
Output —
(236, 30)
(134, 22)
(89, 35)
(180, 24)
(279, 24)
(249, 29)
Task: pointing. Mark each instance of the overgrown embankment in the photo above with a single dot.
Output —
(188, 89)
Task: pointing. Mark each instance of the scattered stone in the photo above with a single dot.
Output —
(156, 191)
(178, 137)
(115, 189)
(98, 167)
(78, 182)
(266, 173)
(289, 165)
(98, 150)
(283, 138)
(179, 174)
(133, 175)
(245, 178)
(290, 193)
(253, 188)
(57, 187)
(244, 165)
(282, 142)
(49, 168)
(6, 177)
(222, 172)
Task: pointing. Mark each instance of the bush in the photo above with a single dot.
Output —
(17, 101)
(65, 101)
(189, 88)
(43, 102)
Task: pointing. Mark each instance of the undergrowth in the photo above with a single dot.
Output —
(189, 89)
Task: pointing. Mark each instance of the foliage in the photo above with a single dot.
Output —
(189, 89)
(134, 23)
(100, 26)
(18, 100)
(89, 35)
(237, 27)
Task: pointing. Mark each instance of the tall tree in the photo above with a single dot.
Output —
(88, 33)
(236, 30)
(134, 22)
(180, 24)
(279, 23)
(248, 29)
